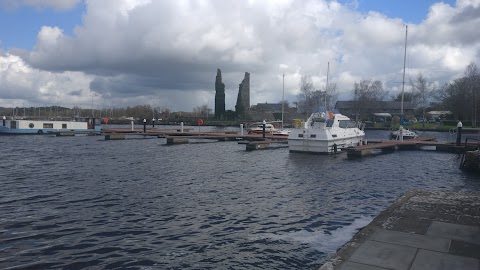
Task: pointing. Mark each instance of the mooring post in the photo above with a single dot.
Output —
(400, 130)
(241, 129)
(153, 122)
(263, 130)
(131, 122)
(181, 127)
(144, 125)
(459, 133)
(4, 120)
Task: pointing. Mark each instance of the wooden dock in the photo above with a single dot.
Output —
(256, 145)
(387, 146)
(176, 136)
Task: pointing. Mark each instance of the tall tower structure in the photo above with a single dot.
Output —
(243, 99)
(219, 96)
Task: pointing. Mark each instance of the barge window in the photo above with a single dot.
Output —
(13, 124)
(47, 125)
(64, 126)
(313, 135)
(300, 135)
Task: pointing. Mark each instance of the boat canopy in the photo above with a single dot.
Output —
(382, 114)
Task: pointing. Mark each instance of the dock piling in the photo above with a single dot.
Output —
(459, 133)
(263, 128)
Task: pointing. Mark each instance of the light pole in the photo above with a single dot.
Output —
(93, 110)
(283, 96)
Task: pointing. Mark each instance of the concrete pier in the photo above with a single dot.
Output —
(421, 230)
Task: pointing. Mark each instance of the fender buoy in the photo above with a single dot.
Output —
(40, 131)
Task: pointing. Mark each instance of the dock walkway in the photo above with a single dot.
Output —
(392, 145)
(421, 230)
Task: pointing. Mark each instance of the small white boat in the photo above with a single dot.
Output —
(402, 132)
(25, 126)
(325, 132)
(258, 128)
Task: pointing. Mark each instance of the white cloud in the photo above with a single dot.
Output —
(138, 51)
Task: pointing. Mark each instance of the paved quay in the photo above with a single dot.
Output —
(421, 230)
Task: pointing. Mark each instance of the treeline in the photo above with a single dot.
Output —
(460, 96)
(137, 112)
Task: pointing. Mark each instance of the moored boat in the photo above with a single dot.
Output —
(258, 128)
(403, 133)
(26, 126)
(325, 132)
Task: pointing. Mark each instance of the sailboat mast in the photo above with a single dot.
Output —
(283, 96)
(404, 63)
(326, 86)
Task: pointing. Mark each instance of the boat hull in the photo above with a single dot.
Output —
(323, 146)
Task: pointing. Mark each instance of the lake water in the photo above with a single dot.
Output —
(83, 202)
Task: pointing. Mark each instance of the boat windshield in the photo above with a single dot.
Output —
(347, 124)
(329, 122)
(319, 117)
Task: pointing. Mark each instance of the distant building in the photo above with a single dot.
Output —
(268, 107)
(243, 99)
(219, 96)
(353, 108)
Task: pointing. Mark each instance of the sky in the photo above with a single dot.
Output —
(118, 53)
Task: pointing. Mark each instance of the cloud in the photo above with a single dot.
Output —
(39, 4)
(139, 51)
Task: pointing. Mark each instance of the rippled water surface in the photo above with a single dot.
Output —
(83, 202)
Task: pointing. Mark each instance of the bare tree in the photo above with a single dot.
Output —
(203, 110)
(331, 95)
(305, 99)
(423, 90)
(472, 77)
(367, 94)
(462, 95)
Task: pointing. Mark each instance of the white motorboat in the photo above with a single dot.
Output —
(325, 132)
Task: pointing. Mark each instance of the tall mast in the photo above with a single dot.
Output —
(404, 62)
(283, 96)
(326, 86)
